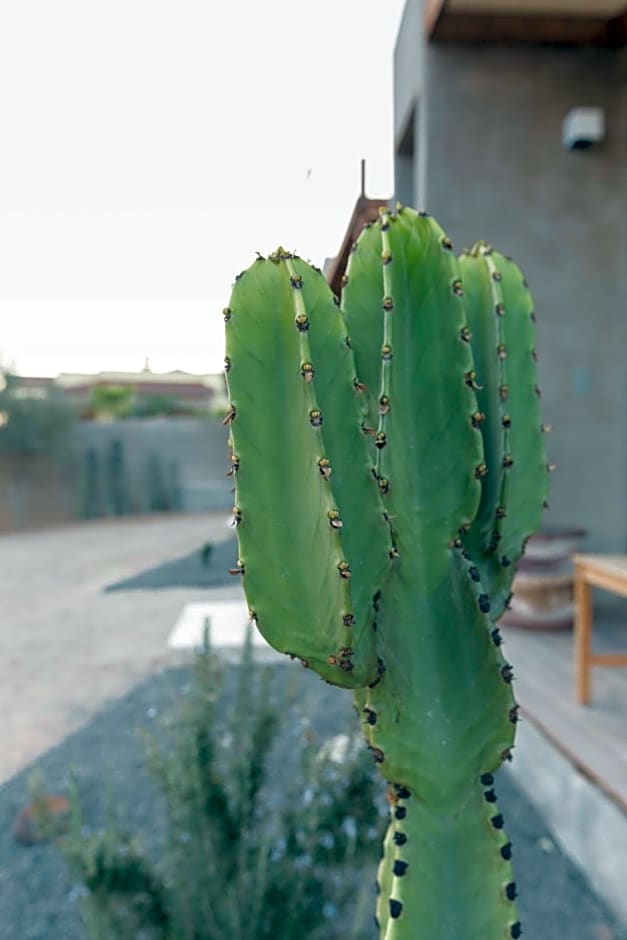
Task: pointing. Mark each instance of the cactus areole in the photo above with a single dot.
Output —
(389, 465)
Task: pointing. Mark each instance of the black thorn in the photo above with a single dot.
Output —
(516, 930)
(497, 639)
(508, 673)
(400, 812)
(396, 908)
(506, 851)
(402, 792)
(474, 573)
(484, 603)
(400, 838)
(490, 796)
(486, 780)
(371, 717)
(399, 868)
(497, 821)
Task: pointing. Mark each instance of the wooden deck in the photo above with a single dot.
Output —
(594, 736)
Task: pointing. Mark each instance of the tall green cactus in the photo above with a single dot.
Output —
(385, 485)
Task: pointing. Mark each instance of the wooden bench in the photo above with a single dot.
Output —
(610, 573)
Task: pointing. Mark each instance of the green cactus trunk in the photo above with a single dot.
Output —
(389, 466)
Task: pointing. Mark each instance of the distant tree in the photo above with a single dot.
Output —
(111, 401)
(31, 427)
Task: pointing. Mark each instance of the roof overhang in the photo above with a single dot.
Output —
(578, 22)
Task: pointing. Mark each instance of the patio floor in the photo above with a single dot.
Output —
(593, 737)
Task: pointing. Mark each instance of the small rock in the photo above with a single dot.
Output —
(43, 818)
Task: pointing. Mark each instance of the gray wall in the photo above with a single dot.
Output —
(197, 448)
(496, 169)
(191, 453)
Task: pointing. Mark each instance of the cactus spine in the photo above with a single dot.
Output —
(389, 466)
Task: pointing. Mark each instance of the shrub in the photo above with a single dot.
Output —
(266, 826)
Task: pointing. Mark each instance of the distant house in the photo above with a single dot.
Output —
(175, 392)
(490, 137)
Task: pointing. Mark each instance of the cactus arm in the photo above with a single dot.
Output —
(295, 570)
(500, 315)
(362, 310)
(424, 370)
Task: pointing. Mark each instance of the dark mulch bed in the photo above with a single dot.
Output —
(38, 901)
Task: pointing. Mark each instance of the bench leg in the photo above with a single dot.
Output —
(583, 630)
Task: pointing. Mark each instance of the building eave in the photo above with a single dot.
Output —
(518, 21)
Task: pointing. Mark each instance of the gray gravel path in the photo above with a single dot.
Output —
(66, 647)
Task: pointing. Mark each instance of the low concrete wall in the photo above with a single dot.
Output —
(132, 466)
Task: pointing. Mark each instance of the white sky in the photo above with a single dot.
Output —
(149, 147)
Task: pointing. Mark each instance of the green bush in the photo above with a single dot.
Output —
(267, 825)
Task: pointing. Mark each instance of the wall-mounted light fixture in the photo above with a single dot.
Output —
(583, 128)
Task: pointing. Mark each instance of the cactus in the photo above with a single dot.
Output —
(389, 465)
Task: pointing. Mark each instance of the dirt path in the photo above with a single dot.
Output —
(66, 647)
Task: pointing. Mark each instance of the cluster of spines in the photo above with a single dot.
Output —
(387, 355)
(509, 890)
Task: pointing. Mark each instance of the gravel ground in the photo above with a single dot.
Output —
(39, 902)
